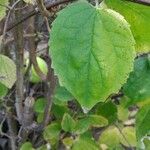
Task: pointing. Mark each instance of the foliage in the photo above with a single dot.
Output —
(95, 94)
(138, 85)
(139, 18)
(142, 122)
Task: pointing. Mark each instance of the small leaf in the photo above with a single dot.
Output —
(97, 121)
(3, 90)
(139, 18)
(92, 52)
(39, 105)
(107, 110)
(143, 122)
(110, 137)
(26, 146)
(7, 71)
(59, 110)
(130, 136)
(123, 113)
(68, 142)
(82, 125)
(138, 84)
(68, 123)
(51, 133)
(146, 142)
(85, 142)
(3, 8)
(40, 117)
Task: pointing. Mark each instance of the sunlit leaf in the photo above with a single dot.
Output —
(92, 52)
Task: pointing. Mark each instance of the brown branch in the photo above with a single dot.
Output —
(34, 12)
(50, 87)
(19, 52)
(143, 2)
(51, 80)
(42, 8)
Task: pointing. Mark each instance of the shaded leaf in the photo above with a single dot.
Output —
(143, 122)
(107, 110)
(138, 84)
(3, 90)
(26, 146)
(39, 105)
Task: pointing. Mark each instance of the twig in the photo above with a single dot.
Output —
(12, 134)
(34, 12)
(19, 52)
(51, 83)
(6, 24)
(51, 80)
(143, 2)
(42, 8)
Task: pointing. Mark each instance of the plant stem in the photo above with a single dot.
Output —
(19, 52)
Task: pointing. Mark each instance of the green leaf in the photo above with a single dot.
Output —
(39, 105)
(146, 142)
(130, 136)
(110, 137)
(139, 18)
(3, 90)
(138, 84)
(143, 122)
(68, 142)
(82, 125)
(97, 121)
(26, 146)
(85, 142)
(68, 123)
(7, 71)
(92, 52)
(107, 110)
(59, 111)
(51, 132)
(3, 8)
(40, 117)
(123, 113)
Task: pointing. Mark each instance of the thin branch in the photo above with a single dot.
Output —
(34, 12)
(19, 52)
(42, 8)
(143, 2)
(6, 25)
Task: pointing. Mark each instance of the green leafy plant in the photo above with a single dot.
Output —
(90, 88)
